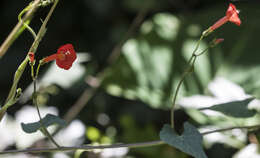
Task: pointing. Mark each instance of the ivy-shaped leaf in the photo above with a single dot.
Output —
(189, 142)
(234, 108)
(48, 120)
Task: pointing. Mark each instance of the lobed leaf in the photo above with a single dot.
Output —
(48, 120)
(189, 142)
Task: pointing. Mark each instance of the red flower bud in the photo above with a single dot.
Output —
(31, 57)
(218, 40)
(64, 57)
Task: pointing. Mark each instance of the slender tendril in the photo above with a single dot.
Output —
(24, 23)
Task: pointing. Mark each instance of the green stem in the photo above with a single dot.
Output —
(49, 136)
(11, 99)
(38, 69)
(198, 44)
(17, 77)
(191, 62)
(204, 51)
(44, 129)
(187, 72)
(32, 71)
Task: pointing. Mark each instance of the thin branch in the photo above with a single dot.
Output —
(85, 147)
(13, 35)
(231, 128)
(131, 145)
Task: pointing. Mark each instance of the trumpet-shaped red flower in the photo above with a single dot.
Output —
(231, 15)
(64, 57)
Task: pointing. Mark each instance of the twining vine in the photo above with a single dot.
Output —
(65, 57)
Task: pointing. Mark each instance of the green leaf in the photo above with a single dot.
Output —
(235, 108)
(189, 142)
(48, 120)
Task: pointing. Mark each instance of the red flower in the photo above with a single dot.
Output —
(64, 57)
(231, 15)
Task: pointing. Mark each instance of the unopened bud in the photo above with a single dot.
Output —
(31, 57)
(218, 40)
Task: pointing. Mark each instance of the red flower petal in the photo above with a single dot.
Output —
(235, 19)
(70, 56)
(232, 13)
(231, 10)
